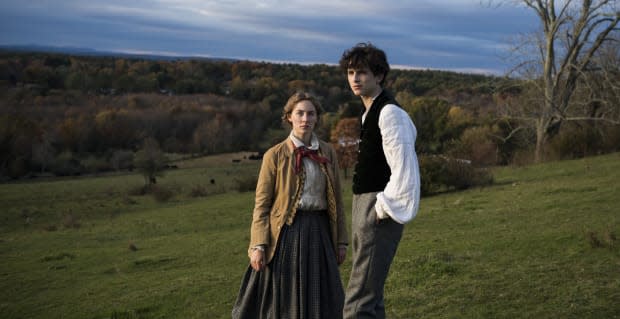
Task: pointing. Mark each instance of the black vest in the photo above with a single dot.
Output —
(372, 172)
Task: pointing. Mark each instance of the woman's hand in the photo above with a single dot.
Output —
(341, 255)
(257, 259)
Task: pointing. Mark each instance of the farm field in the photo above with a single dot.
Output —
(542, 242)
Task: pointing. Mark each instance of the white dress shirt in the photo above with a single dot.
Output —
(400, 200)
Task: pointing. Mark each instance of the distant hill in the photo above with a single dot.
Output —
(34, 48)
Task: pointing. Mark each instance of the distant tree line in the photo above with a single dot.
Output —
(66, 115)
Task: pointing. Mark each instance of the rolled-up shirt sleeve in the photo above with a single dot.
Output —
(401, 197)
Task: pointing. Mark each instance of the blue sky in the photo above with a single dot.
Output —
(458, 35)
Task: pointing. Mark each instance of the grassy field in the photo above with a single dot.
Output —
(540, 243)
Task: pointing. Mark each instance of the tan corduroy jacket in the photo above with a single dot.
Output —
(278, 191)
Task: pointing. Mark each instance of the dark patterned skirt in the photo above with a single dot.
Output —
(301, 281)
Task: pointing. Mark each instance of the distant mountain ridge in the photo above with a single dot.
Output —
(35, 48)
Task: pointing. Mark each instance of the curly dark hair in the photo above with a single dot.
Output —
(366, 55)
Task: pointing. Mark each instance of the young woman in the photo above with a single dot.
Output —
(298, 234)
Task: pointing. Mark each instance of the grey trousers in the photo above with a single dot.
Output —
(374, 246)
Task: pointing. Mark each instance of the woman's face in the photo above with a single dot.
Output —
(303, 118)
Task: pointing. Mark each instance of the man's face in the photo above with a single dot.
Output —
(363, 82)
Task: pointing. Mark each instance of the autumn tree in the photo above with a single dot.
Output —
(345, 137)
(43, 152)
(17, 135)
(555, 61)
(116, 128)
(430, 116)
(216, 135)
(150, 161)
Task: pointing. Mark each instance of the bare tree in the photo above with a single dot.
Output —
(603, 84)
(556, 62)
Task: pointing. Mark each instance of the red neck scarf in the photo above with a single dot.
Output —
(302, 152)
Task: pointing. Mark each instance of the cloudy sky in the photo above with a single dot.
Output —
(458, 35)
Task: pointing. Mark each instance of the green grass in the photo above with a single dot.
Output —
(540, 243)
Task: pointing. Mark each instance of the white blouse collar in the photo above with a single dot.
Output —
(314, 142)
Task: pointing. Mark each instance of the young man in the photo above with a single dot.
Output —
(386, 184)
